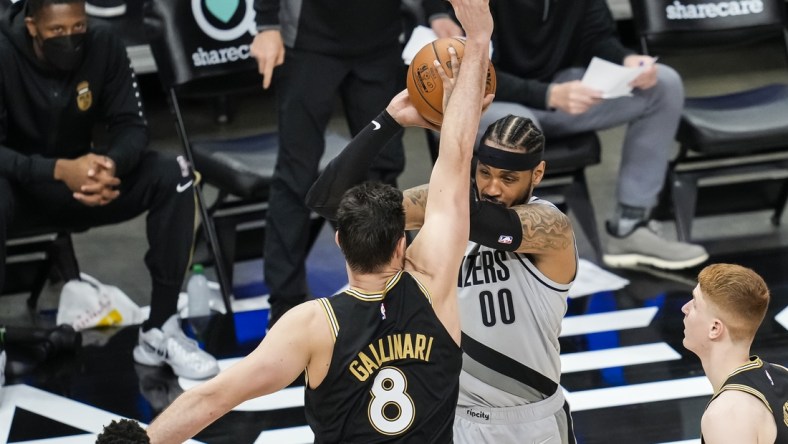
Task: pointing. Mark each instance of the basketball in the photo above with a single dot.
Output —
(425, 86)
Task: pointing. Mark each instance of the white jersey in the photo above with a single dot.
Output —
(511, 319)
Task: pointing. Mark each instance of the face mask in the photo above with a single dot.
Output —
(64, 52)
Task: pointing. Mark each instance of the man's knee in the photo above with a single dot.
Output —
(670, 86)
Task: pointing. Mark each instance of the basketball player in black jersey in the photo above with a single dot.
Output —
(383, 358)
(750, 401)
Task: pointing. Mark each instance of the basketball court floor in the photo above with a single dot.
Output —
(625, 372)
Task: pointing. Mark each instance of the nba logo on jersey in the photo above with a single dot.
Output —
(503, 239)
(382, 311)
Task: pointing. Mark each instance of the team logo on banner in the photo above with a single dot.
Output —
(224, 20)
(84, 96)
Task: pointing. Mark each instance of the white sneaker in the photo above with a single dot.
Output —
(647, 246)
(169, 345)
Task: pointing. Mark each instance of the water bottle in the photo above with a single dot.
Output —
(199, 293)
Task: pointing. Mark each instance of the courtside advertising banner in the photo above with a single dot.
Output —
(203, 37)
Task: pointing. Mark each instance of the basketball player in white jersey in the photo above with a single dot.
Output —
(512, 288)
(512, 285)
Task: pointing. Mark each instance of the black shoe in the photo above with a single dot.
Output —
(105, 8)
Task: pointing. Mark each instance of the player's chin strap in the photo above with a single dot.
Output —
(507, 160)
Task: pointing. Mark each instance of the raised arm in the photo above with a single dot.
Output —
(350, 167)
(446, 216)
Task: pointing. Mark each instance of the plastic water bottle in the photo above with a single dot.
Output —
(199, 293)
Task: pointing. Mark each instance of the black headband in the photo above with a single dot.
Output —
(507, 160)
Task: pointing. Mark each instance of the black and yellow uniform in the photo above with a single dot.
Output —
(767, 382)
(394, 374)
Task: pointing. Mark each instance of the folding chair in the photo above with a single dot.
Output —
(204, 52)
(34, 252)
(733, 154)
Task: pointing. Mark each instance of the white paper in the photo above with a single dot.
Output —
(592, 279)
(421, 36)
(610, 78)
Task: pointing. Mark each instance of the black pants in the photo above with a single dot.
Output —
(154, 187)
(307, 84)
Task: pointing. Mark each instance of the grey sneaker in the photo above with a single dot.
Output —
(169, 345)
(646, 246)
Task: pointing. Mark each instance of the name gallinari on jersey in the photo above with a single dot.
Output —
(394, 347)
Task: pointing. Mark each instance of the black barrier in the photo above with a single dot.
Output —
(197, 39)
(672, 21)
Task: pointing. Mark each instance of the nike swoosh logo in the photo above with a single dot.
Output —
(181, 187)
(377, 125)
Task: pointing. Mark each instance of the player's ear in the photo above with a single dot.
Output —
(716, 329)
(402, 245)
(538, 173)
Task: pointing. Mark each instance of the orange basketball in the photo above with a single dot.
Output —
(425, 87)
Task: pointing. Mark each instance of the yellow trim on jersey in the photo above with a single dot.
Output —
(753, 364)
(747, 389)
(375, 297)
(423, 289)
(331, 317)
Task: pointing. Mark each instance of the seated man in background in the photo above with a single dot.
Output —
(720, 322)
(541, 51)
(58, 81)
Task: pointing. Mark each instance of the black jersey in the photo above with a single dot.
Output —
(394, 374)
(767, 382)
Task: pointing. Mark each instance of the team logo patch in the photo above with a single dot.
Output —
(84, 96)
(785, 413)
(503, 239)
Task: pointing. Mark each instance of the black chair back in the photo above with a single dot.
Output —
(733, 154)
(194, 40)
(694, 24)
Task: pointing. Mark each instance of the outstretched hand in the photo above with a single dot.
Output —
(402, 110)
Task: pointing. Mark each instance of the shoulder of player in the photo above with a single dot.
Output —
(735, 406)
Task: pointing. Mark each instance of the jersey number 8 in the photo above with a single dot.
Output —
(391, 410)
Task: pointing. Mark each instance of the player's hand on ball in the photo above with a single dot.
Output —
(401, 108)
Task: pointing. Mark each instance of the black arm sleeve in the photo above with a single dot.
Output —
(529, 92)
(494, 225)
(267, 12)
(599, 36)
(350, 167)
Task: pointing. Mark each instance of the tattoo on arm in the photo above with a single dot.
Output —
(544, 228)
(415, 202)
(417, 196)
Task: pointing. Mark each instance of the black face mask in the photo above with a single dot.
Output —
(64, 52)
